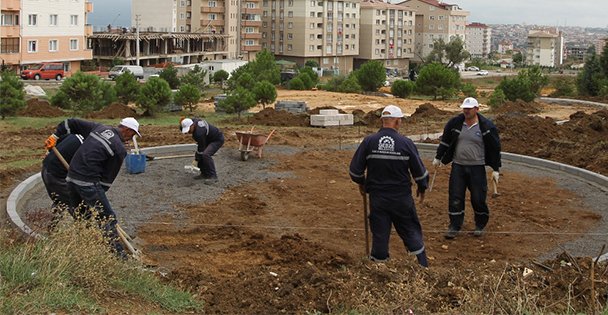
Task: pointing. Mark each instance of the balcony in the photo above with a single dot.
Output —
(251, 48)
(251, 23)
(10, 31)
(219, 9)
(10, 5)
(204, 23)
(251, 11)
(88, 30)
(251, 35)
(88, 7)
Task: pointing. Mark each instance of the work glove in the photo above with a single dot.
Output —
(362, 190)
(495, 176)
(50, 142)
(436, 162)
(194, 163)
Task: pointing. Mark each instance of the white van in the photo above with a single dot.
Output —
(137, 71)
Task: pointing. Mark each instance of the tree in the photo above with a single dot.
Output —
(265, 68)
(604, 60)
(311, 64)
(220, 76)
(589, 81)
(518, 59)
(497, 98)
(469, 90)
(127, 88)
(169, 74)
(195, 77)
(265, 93)
(350, 84)
(84, 93)
(536, 77)
(188, 96)
(371, 75)
(449, 54)
(246, 80)
(564, 86)
(518, 88)
(237, 101)
(435, 79)
(296, 84)
(12, 96)
(311, 73)
(402, 88)
(155, 94)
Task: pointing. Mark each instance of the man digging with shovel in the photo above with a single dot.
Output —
(391, 160)
(93, 169)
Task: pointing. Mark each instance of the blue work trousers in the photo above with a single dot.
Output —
(463, 177)
(398, 209)
(86, 201)
(205, 159)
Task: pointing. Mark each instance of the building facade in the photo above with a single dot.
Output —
(239, 21)
(545, 48)
(386, 34)
(435, 20)
(505, 46)
(478, 40)
(324, 31)
(32, 32)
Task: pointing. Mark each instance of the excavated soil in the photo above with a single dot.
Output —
(40, 108)
(114, 111)
(295, 244)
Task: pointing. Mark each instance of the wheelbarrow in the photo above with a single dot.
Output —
(249, 142)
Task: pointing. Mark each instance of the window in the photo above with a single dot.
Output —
(182, 28)
(73, 19)
(312, 37)
(289, 36)
(53, 19)
(311, 47)
(249, 42)
(290, 14)
(9, 45)
(251, 5)
(249, 29)
(290, 3)
(9, 19)
(289, 47)
(212, 16)
(73, 44)
(32, 46)
(212, 4)
(32, 20)
(53, 46)
(290, 25)
(182, 16)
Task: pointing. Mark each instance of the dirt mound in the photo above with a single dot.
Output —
(113, 111)
(40, 108)
(428, 110)
(372, 118)
(271, 117)
(581, 141)
(518, 106)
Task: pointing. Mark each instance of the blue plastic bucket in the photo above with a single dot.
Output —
(136, 163)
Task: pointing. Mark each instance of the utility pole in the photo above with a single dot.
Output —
(137, 19)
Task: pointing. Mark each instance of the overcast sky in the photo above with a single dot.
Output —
(591, 13)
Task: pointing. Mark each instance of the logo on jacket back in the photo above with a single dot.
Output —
(386, 143)
(107, 134)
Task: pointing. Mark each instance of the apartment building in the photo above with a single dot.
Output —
(599, 45)
(435, 20)
(504, 46)
(238, 21)
(386, 34)
(36, 31)
(323, 31)
(478, 40)
(545, 48)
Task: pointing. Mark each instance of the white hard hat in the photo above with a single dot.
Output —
(131, 123)
(186, 123)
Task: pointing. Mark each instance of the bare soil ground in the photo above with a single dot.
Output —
(297, 244)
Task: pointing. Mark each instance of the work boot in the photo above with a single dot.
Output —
(376, 260)
(478, 232)
(210, 181)
(200, 176)
(451, 233)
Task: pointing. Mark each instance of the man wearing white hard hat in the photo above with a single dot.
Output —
(93, 169)
(391, 161)
(209, 140)
(470, 141)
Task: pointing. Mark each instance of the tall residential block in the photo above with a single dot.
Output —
(545, 48)
(478, 40)
(324, 31)
(435, 20)
(387, 35)
(236, 22)
(34, 31)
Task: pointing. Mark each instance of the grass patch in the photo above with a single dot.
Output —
(19, 122)
(74, 271)
(20, 164)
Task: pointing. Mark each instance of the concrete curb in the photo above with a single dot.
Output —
(566, 101)
(16, 198)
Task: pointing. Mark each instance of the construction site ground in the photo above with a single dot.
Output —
(285, 233)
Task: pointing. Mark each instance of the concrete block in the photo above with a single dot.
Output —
(331, 120)
(328, 112)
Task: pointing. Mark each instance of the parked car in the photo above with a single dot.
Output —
(483, 72)
(137, 71)
(45, 71)
(472, 68)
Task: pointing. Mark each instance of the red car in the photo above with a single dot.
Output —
(46, 71)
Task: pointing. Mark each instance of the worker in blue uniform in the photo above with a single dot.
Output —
(391, 161)
(209, 140)
(94, 168)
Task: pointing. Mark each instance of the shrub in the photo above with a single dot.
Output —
(127, 88)
(169, 74)
(564, 87)
(497, 98)
(84, 93)
(188, 96)
(402, 88)
(371, 75)
(350, 85)
(469, 90)
(12, 96)
(296, 84)
(155, 94)
(517, 88)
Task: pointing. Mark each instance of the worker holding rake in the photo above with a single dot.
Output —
(391, 161)
(470, 141)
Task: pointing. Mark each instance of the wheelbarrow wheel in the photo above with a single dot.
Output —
(244, 155)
